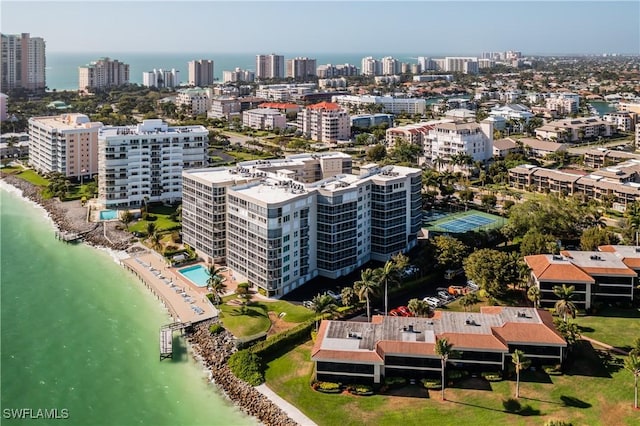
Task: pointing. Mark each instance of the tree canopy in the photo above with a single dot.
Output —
(493, 270)
(449, 251)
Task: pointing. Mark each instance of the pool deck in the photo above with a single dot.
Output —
(153, 271)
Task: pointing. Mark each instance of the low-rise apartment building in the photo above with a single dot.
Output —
(447, 139)
(288, 221)
(264, 119)
(144, 163)
(575, 129)
(623, 121)
(325, 122)
(619, 185)
(66, 144)
(597, 276)
(603, 157)
(388, 346)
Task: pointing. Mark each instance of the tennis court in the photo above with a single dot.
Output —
(458, 223)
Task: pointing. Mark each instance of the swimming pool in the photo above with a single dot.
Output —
(108, 214)
(196, 274)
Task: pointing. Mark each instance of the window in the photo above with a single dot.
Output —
(285, 248)
(285, 238)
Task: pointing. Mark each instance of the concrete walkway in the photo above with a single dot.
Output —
(604, 345)
(291, 411)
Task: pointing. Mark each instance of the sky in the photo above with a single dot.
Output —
(386, 27)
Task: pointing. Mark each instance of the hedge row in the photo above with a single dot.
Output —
(247, 366)
(275, 344)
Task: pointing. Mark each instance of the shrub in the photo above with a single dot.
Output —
(363, 390)
(275, 344)
(553, 370)
(457, 374)
(216, 328)
(557, 423)
(431, 383)
(390, 381)
(492, 376)
(247, 366)
(328, 387)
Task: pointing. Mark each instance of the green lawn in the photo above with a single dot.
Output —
(163, 219)
(592, 393)
(245, 156)
(33, 177)
(617, 327)
(256, 320)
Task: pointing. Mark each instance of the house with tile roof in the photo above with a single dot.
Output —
(388, 346)
(598, 276)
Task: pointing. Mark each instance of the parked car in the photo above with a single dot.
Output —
(409, 271)
(395, 313)
(450, 274)
(456, 290)
(308, 304)
(472, 285)
(404, 311)
(334, 296)
(434, 302)
(445, 296)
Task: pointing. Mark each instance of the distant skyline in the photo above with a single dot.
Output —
(384, 27)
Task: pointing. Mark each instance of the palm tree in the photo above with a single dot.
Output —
(215, 284)
(151, 228)
(400, 260)
(445, 350)
(419, 307)
(367, 287)
(349, 296)
(565, 306)
(156, 241)
(632, 363)
(323, 304)
(386, 273)
(533, 294)
(521, 363)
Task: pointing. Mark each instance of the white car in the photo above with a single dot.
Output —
(472, 285)
(434, 302)
(445, 296)
(333, 295)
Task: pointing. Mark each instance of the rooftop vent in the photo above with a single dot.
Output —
(471, 321)
(595, 257)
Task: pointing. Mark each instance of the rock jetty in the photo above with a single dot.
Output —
(71, 216)
(214, 351)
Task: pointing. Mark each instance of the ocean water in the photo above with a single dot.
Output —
(62, 68)
(80, 334)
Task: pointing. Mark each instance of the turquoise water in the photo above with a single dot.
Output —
(80, 333)
(108, 214)
(602, 107)
(196, 274)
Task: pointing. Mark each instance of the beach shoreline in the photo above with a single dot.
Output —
(210, 352)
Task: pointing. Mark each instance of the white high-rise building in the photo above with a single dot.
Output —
(201, 73)
(144, 163)
(269, 66)
(290, 220)
(197, 101)
(22, 62)
(466, 65)
(391, 66)
(389, 104)
(102, 74)
(301, 68)
(161, 78)
(371, 66)
(448, 138)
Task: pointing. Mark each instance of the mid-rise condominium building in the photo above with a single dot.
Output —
(201, 73)
(465, 65)
(269, 66)
(102, 74)
(66, 144)
(331, 71)
(288, 221)
(238, 75)
(194, 100)
(325, 122)
(301, 68)
(22, 62)
(371, 66)
(264, 119)
(389, 104)
(161, 78)
(144, 163)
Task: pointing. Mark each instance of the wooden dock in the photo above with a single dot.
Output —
(166, 338)
(68, 237)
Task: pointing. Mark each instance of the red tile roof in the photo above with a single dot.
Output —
(406, 348)
(527, 333)
(474, 341)
(545, 270)
(279, 105)
(330, 106)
